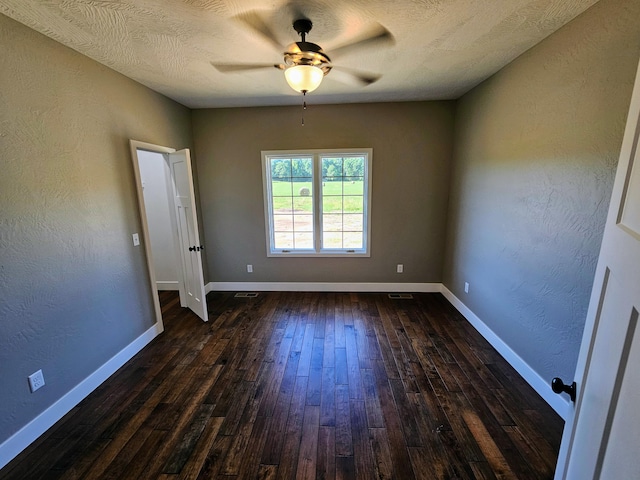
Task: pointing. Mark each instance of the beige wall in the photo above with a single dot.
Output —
(411, 158)
(535, 152)
(73, 289)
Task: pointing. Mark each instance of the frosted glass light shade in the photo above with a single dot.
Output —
(304, 78)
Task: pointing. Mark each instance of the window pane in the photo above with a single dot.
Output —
(332, 185)
(283, 240)
(331, 240)
(353, 186)
(332, 223)
(302, 167)
(283, 223)
(303, 187)
(282, 205)
(354, 167)
(303, 223)
(331, 204)
(304, 240)
(281, 188)
(352, 240)
(303, 204)
(353, 204)
(332, 167)
(353, 222)
(280, 168)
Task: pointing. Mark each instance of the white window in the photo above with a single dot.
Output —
(317, 202)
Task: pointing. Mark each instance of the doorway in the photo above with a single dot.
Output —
(155, 177)
(168, 215)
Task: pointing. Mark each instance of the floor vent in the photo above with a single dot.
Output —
(246, 295)
(400, 296)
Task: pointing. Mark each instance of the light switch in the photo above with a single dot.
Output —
(136, 240)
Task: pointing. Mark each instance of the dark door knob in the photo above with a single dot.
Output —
(558, 386)
(192, 249)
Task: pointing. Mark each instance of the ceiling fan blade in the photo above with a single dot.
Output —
(354, 77)
(374, 35)
(243, 67)
(257, 23)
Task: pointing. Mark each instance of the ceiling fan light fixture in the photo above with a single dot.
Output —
(304, 78)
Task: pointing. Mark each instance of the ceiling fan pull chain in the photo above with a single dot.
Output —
(304, 105)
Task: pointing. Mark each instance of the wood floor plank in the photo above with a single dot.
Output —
(314, 387)
(249, 455)
(491, 451)
(308, 453)
(305, 385)
(326, 460)
(423, 465)
(344, 441)
(341, 368)
(356, 392)
(375, 419)
(215, 456)
(362, 452)
(288, 461)
(183, 450)
(345, 468)
(280, 412)
(195, 463)
(127, 454)
(397, 442)
(381, 453)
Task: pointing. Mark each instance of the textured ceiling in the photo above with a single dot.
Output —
(442, 48)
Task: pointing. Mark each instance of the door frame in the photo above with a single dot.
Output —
(136, 145)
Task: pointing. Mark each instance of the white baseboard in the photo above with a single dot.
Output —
(168, 285)
(540, 385)
(321, 287)
(15, 444)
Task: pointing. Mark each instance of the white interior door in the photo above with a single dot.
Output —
(189, 239)
(602, 435)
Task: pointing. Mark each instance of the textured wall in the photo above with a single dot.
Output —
(73, 289)
(535, 152)
(411, 160)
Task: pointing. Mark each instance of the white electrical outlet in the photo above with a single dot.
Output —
(466, 287)
(400, 268)
(36, 380)
(136, 239)
(249, 268)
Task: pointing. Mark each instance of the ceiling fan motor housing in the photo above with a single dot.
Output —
(307, 53)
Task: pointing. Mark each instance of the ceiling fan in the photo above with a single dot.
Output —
(305, 64)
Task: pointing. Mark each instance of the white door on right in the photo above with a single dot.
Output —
(602, 435)
(189, 238)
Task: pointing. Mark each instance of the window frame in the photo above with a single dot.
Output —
(316, 193)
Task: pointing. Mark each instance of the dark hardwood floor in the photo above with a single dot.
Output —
(306, 385)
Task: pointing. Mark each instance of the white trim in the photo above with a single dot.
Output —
(20, 440)
(539, 384)
(134, 145)
(322, 287)
(168, 285)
